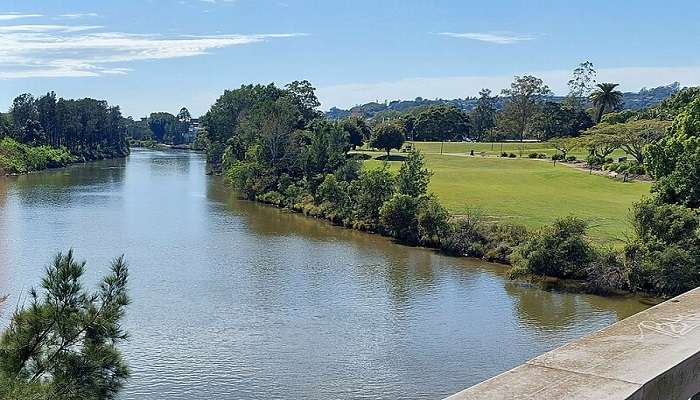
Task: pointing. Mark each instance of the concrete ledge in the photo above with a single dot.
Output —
(651, 355)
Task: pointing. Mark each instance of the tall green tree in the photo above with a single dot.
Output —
(525, 97)
(413, 177)
(581, 85)
(483, 117)
(357, 129)
(605, 98)
(438, 123)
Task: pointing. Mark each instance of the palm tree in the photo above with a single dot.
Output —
(605, 97)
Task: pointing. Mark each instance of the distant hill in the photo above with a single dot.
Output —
(634, 101)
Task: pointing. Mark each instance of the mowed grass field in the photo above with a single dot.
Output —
(495, 149)
(529, 192)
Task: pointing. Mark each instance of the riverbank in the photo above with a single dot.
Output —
(17, 158)
(546, 283)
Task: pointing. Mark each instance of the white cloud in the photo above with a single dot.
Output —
(81, 50)
(79, 15)
(490, 37)
(45, 28)
(630, 79)
(13, 16)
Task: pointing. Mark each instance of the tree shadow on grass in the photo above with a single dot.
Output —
(393, 157)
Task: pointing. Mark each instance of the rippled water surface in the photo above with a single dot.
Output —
(236, 300)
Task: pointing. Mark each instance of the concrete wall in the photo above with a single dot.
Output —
(652, 355)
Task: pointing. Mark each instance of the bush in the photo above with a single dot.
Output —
(18, 158)
(570, 158)
(557, 157)
(561, 250)
(533, 155)
(504, 154)
(467, 238)
(369, 192)
(607, 273)
(433, 221)
(611, 167)
(398, 217)
(664, 256)
(512, 155)
(542, 156)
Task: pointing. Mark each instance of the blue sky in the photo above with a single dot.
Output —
(160, 55)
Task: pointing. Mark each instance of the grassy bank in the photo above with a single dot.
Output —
(17, 158)
(529, 192)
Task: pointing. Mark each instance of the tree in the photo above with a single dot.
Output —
(369, 192)
(304, 94)
(387, 136)
(182, 127)
(600, 143)
(357, 129)
(66, 339)
(483, 117)
(414, 177)
(554, 119)
(580, 85)
(565, 145)
(524, 98)
(440, 123)
(635, 136)
(605, 98)
(273, 125)
(163, 125)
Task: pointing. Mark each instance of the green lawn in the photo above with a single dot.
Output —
(530, 192)
(495, 149)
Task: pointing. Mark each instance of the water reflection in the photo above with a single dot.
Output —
(233, 299)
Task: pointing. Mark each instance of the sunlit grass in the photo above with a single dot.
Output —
(525, 191)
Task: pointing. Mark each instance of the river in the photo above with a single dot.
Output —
(233, 299)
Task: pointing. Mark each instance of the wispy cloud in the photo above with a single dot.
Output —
(84, 50)
(490, 37)
(79, 15)
(14, 16)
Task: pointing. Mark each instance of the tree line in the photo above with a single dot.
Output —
(273, 147)
(89, 129)
(161, 127)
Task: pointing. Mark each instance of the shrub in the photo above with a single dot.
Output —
(561, 250)
(369, 192)
(533, 155)
(16, 158)
(512, 155)
(570, 158)
(502, 239)
(273, 197)
(398, 217)
(467, 237)
(433, 221)
(607, 272)
(557, 157)
(664, 256)
(504, 154)
(542, 156)
(611, 167)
